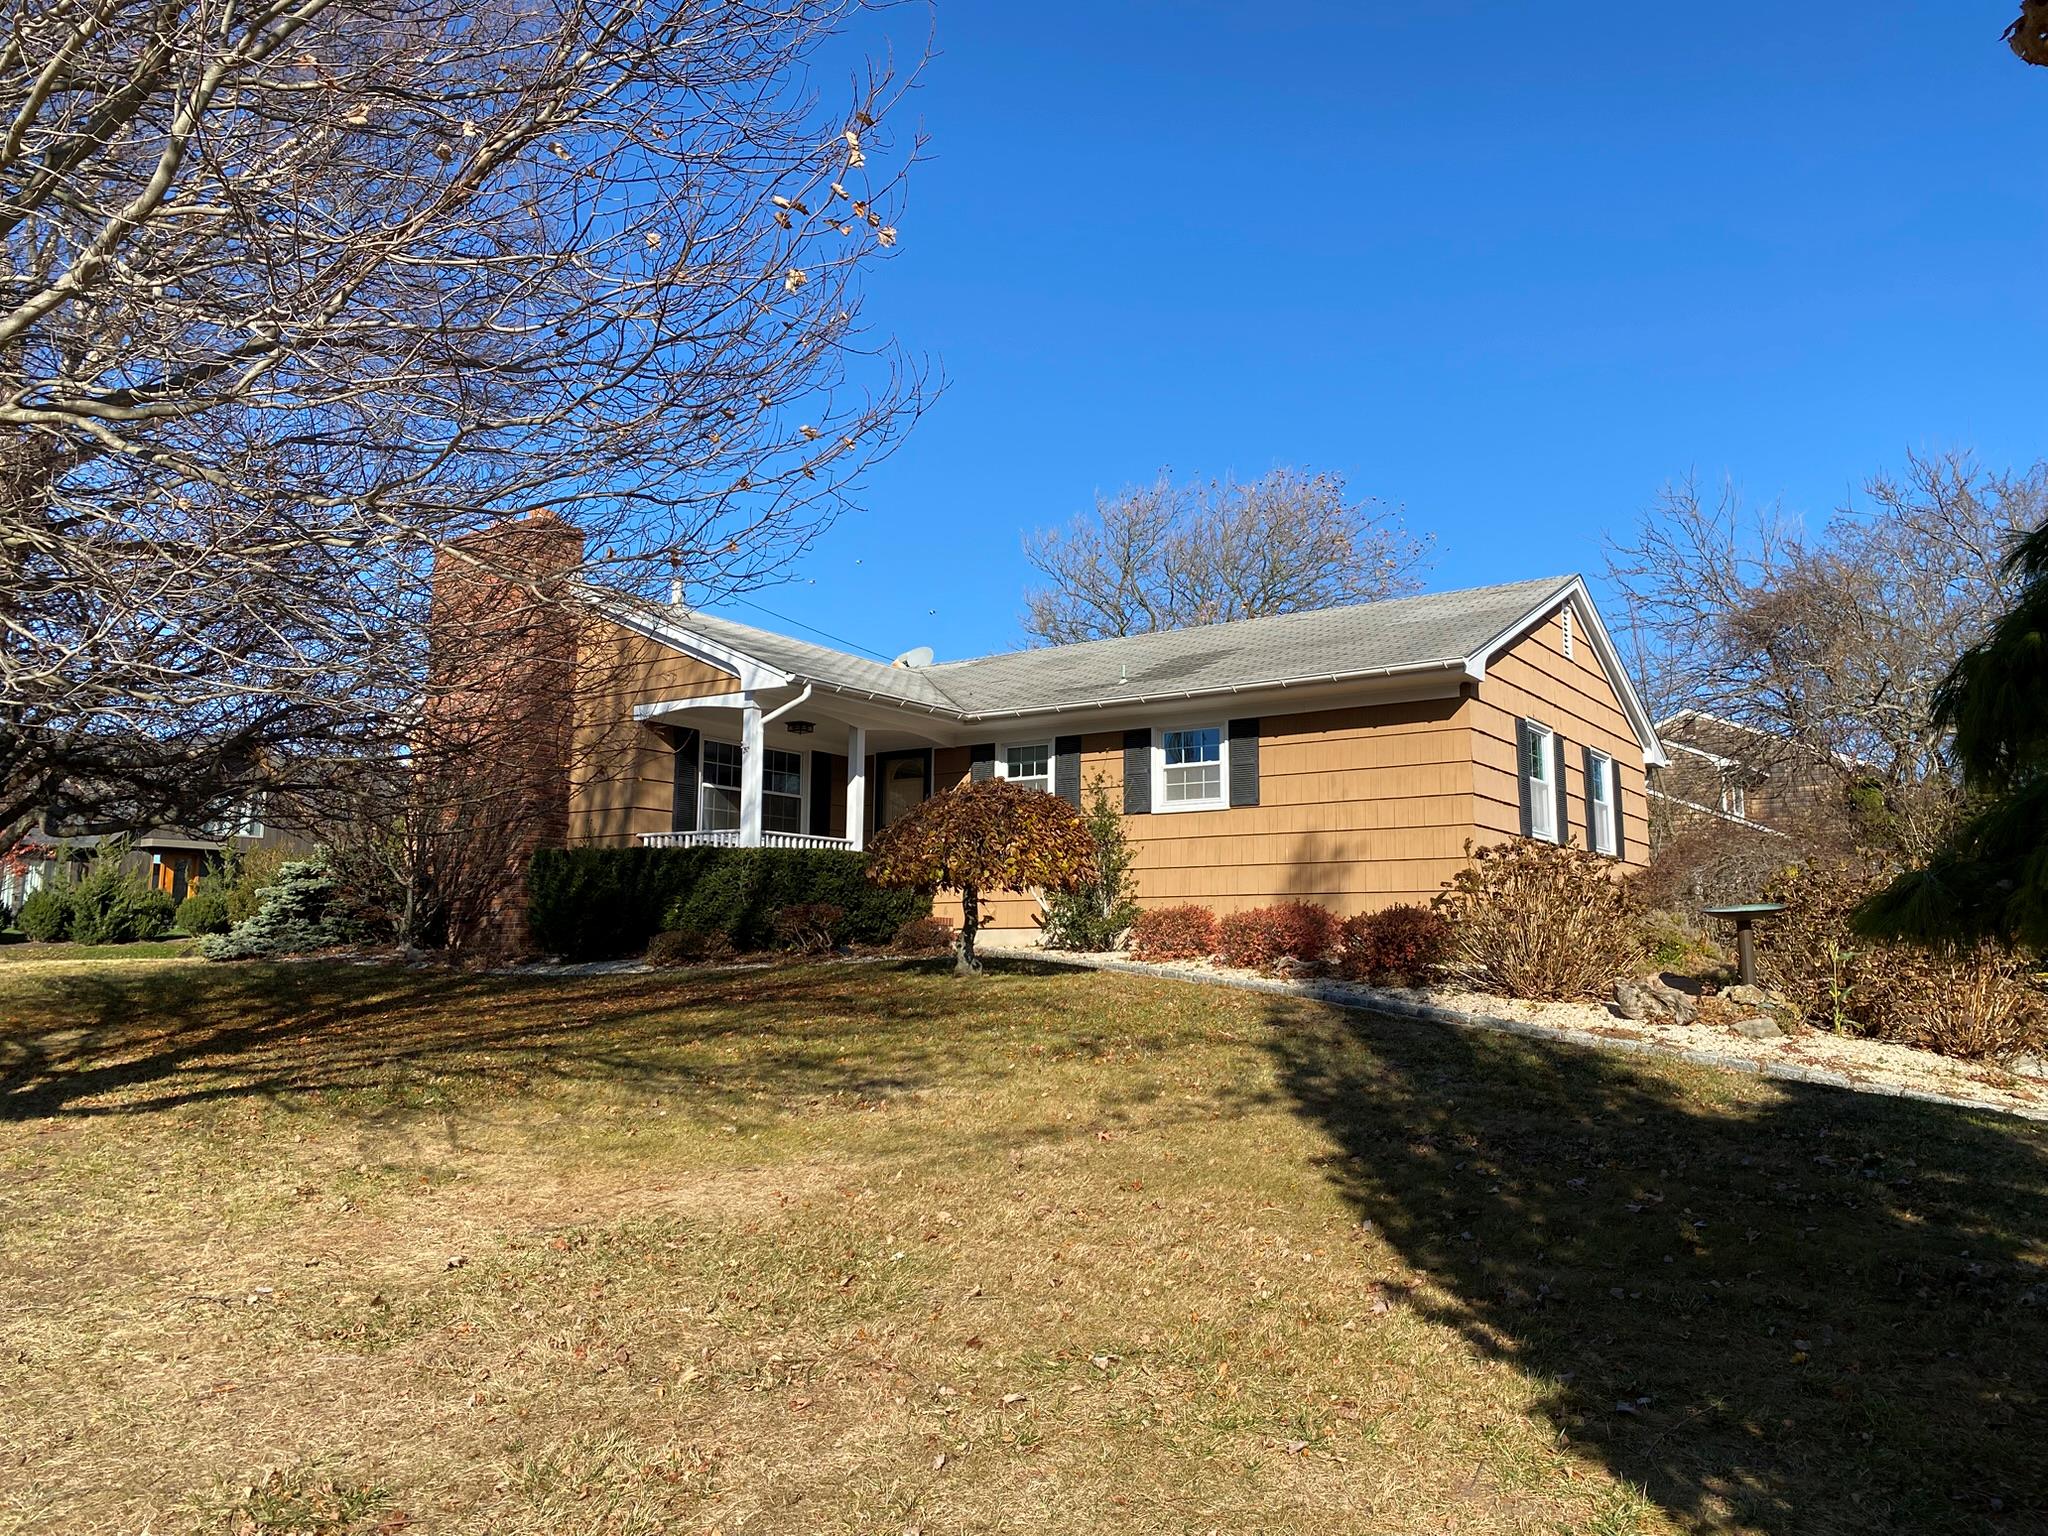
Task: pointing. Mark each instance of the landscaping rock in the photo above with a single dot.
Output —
(1680, 1005)
(1758, 1027)
(1747, 997)
(1652, 1000)
(1632, 1002)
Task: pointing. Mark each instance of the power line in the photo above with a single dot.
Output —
(800, 624)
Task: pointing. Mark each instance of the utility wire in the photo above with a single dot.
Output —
(800, 624)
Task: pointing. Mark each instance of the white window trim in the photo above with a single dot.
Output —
(1005, 748)
(1547, 802)
(1607, 819)
(1734, 798)
(803, 798)
(704, 785)
(1222, 800)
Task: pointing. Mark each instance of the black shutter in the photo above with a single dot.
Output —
(1620, 819)
(1564, 812)
(1066, 769)
(1137, 772)
(1592, 812)
(1523, 737)
(682, 816)
(1244, 762)
(981, 761)
(821, 794)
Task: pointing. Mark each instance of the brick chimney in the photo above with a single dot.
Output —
(499, 715)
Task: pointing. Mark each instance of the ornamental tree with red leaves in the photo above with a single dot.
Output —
(985, 835)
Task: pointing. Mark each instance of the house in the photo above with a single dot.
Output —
(1347, 756)
(1725, 773)
(174, 860)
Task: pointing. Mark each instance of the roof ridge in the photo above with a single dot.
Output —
(1553, 582)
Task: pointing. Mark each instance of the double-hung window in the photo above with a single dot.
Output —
(1188, 763)
(1733, 801)
(1028, 763)
(1600, 801)
(1539, 773)
(718, 795)
(782, 789)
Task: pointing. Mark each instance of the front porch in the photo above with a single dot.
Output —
(769, 768)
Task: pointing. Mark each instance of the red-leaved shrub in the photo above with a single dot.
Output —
(1260, 939)
(1174, 933)
(923, 936)
(1396, 946)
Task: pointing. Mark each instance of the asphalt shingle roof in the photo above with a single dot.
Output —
(819, 663)
(1397, 634)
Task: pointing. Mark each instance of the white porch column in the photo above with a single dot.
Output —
(750, 776)
(857, 786)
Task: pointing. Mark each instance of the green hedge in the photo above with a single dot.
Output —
(598, 903)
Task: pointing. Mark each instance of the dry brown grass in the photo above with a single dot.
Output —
(865, 1248)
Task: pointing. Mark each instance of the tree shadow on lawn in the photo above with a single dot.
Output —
(1772, 1307)
(136, 1043)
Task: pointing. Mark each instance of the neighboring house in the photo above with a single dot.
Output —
(173, 860)
(1347, 756)
(1727, 773)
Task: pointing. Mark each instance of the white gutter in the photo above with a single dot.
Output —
(1128, 700)
(1707, 810)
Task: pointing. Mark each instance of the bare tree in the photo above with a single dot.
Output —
(1164, 556)
(1832, 642)
(299, 292)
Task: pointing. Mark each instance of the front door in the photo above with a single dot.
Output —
(905, 781)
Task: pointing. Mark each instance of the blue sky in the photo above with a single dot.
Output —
(1512, 277)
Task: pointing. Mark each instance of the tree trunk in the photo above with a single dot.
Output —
(964, 961)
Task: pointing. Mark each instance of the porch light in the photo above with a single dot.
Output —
(801, 727)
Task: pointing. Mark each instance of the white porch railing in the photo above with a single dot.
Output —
(731, 839)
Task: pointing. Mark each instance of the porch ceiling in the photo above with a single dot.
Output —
(827, 733)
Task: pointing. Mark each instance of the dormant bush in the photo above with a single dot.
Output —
(1970, 1001)
(1534, 920)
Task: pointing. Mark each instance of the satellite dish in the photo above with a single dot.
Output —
(916, 656)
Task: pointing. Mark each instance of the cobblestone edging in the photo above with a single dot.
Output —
(1346, 995)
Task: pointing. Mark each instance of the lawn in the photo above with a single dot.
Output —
(865, 1248)
(15, 950)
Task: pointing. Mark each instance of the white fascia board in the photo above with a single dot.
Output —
(752, 675)
(1417, 680)
(1575, 593)
(705, 701)
(1713, 757)
(1707, 810)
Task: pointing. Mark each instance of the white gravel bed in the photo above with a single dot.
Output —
(1838, 1061)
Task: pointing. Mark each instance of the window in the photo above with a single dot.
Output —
(719, 796)
(1539, 775)
(243, 820)
(1189, 767)
(782, 791)
(1028, 763)
(1733, 800)
(1600, 797)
